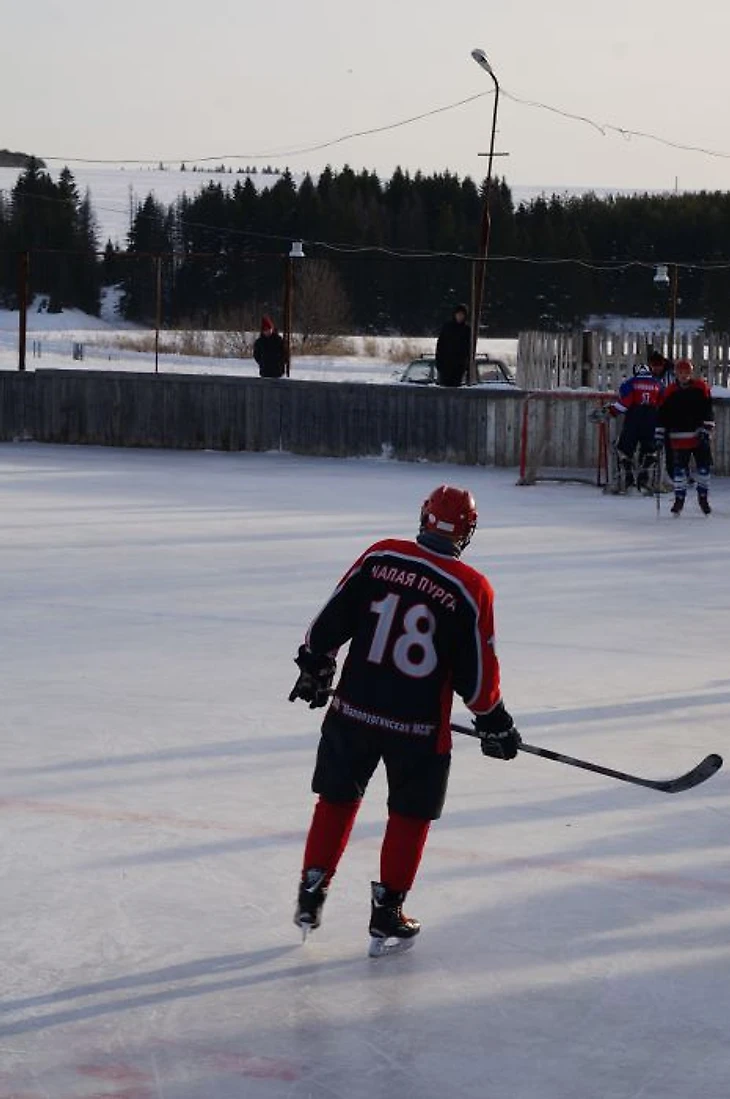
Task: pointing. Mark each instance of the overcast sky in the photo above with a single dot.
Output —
(152, 79)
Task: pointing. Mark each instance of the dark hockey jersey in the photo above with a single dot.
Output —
(684, 410)
(421, 627)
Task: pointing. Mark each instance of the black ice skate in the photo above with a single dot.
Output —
(391, 931)
(310, 901)
(647, 481)
(704, 503)
(676, 508)
(628, 476)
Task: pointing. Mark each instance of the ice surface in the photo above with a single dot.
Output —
(154, 795)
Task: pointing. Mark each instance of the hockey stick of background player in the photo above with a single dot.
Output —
(658, 480)
(698, 774)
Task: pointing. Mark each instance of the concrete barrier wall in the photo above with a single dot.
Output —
(17, 404)
(335, 419)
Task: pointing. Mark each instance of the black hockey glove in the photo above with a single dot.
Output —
(315, 678)
(500, 739)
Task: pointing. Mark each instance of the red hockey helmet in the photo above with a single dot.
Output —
(684, 369)
(450, 512)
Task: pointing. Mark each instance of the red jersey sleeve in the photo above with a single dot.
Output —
(476, 667)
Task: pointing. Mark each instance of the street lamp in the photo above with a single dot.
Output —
(667, 274)
(480, 265)
(295, 252)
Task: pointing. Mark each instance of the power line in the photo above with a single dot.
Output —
(537, 261)
(623, 131)
(603, 128)
(344, 249)
(281, 153)
(373, 252)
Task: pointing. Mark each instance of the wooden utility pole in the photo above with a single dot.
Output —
(23, 281)
(673, 282)
(288, 279)
(480, 265)
(158, 309)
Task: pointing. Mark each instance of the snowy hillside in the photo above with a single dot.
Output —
(116, 191)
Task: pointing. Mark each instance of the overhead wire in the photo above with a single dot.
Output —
(344, 249)
(221, 158)
(623, 131)
(603, 128)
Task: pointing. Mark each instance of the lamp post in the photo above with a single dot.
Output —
(295, 252)
(480, 264)
(667, 274)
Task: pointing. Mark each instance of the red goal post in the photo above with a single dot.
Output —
(558, 440)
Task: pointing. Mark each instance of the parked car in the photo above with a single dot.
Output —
(489, 371)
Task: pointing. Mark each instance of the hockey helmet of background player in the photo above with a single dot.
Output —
(683, 370)
(450, 512)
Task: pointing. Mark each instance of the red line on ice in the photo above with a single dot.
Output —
(123, 1073)
(127, 816)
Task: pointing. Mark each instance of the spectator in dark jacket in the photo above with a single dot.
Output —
(453, 349)
(269, 351)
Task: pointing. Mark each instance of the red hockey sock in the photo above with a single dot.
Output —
(328, 833)
(400, 855)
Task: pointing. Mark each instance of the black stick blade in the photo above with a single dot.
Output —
(698, 774)
(704, 770)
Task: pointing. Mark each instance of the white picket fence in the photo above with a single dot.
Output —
(601, 360)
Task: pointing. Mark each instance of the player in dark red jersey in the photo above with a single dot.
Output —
(686, 418)
(638, 400)
(420, 626)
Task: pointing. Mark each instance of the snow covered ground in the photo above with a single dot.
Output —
(51, 339)
(155, 795)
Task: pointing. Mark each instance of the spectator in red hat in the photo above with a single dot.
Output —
(269, 351)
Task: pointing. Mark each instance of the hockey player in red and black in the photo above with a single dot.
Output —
(686, 419)
(638, 400)
(421, 627)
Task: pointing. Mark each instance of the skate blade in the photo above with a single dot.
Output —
(305, 926)
(379, 947)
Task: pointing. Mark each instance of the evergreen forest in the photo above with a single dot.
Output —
(54, 224)
(381, 256)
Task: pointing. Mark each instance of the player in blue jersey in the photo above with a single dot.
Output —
(638, 400)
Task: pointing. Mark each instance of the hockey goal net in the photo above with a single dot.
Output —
(558, 439)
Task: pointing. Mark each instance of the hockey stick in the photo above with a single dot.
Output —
(698, 774)
(658, 481)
